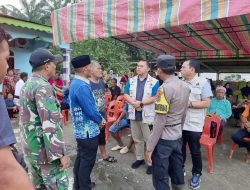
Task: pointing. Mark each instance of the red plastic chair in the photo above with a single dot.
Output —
(113, 113)
(65, 117)
(121, 98)
(208, 142)
(108, 98)
(234, 146)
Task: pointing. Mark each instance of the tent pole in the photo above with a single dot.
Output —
(66, 65)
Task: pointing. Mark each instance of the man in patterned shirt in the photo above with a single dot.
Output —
(40, 123)
(86, 121)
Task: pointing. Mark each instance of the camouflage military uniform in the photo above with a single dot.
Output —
(42, 138)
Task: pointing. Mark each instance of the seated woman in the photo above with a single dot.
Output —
(244, 132)
(220, 106)
(239, 109)
(11, 106)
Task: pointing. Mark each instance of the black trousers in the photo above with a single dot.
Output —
(167, 162)
(84, 163)
(193, 140)
(238, 138)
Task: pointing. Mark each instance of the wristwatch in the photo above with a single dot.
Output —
(141, 104)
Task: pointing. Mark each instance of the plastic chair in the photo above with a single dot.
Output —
(108, 98)
(234, 146)
(121, 98)
(65, 117)
(208, 142)
(113, 113)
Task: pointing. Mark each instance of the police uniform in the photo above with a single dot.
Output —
(41, 127)
(166, 139)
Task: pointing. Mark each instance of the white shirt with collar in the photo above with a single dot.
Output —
(18, 87)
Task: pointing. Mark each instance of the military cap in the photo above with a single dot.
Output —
(80, 61)
(165, 61)
(42, 56)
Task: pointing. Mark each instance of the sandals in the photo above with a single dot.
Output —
(110, 159)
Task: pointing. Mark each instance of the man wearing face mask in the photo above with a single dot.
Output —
(41, 124)
(165, 143)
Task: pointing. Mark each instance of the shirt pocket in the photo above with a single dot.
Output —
(195, 94)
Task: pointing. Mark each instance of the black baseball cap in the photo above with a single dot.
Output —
(41, 56)
(165, 61)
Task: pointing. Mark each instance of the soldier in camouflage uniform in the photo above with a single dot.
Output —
(41, 127)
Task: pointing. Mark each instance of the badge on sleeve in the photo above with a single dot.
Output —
(161, 104)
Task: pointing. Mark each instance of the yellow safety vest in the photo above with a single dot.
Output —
(161, 104)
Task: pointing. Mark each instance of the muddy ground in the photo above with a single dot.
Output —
(228, 174)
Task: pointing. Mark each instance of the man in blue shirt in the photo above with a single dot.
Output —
(86, 121)
(13, 175)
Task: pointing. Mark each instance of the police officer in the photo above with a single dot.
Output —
(41, 126)
(165, 142)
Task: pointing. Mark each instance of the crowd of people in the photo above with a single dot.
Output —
(164, 117)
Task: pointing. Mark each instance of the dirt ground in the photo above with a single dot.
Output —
(228, 174)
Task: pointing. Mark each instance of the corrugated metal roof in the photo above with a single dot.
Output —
(24, 24)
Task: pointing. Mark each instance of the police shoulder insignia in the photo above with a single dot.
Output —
(161, 104)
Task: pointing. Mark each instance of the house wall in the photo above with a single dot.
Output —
(21, 59)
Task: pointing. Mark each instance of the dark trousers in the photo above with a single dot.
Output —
(237, 112)
(193, 140)
(238, 138)
(167, 162)
(84, 163)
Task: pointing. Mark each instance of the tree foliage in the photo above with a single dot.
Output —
(113, 54)
(110, 53)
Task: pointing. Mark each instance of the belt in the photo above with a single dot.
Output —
(16, 97)
(172, 125)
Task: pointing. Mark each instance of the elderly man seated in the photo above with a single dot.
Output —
(220, 106)
(239, 136)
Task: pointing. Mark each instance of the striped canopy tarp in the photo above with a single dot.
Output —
(184, 28)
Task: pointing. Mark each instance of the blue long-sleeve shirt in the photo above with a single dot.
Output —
(221, 108)
(85, 115)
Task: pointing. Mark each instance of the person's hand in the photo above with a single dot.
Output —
(64, 163)
(136, 104)
(234, 106)
(149, 157)
(138, 109)
(103, 123)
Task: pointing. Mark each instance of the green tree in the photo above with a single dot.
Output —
(31, 10)
(110, 53)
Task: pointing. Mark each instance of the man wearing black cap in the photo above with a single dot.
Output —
(41, 125)
(165, 142)
(86, 121)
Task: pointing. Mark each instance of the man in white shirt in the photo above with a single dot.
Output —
(19, 85)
